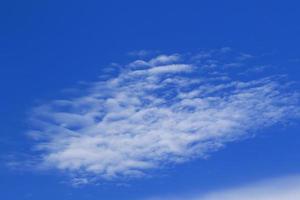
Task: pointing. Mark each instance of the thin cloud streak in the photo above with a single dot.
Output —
(286, 188)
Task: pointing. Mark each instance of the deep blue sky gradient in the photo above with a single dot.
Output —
(46, 46)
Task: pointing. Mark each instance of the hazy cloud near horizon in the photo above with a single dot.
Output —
(284, 188)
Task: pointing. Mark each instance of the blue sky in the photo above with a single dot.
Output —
(194, 100)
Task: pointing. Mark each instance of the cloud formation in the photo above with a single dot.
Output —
(167, 109)
(286, 188)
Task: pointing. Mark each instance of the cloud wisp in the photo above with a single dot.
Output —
(286, 188)
(168, 109)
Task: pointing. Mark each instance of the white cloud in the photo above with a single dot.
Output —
(165, 69)
(156, 61)
(164, 59)
(286, 188)
(161, 112)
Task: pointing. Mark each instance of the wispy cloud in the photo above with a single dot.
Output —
(141, 53)
(168, 109)
(286, 188)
